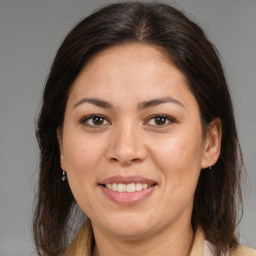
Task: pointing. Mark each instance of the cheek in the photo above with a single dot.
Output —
(81, 157)
(178, 158)
(178, 164)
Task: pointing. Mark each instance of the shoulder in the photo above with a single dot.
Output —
(243, 251)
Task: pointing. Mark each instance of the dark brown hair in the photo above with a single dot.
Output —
(218, 191)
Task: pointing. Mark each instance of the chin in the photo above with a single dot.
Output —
(130, 227)
(132, 232)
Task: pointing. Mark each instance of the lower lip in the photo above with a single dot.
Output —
(127, 198)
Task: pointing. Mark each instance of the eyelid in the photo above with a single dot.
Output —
(169, 118)
(86, 118)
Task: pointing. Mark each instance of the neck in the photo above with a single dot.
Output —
(169, 241)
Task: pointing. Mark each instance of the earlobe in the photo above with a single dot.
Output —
(62, 159)
(212, 145)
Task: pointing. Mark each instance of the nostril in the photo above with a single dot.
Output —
(125, 154)
(125, 161)
(113, 159)
(136, 160)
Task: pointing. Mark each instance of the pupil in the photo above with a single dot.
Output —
(160, 120)
(97, 120)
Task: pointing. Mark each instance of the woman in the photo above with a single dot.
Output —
(137, 128)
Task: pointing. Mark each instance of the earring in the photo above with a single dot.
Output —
(210, 167)
(64, 176)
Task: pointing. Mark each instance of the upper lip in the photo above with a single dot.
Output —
(127, 180)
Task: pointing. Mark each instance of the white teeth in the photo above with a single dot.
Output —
(138, 187)
(129, 188)
(144, 186)
(121, 187)
(114, 187)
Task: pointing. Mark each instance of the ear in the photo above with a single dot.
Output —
(212, 145)
(60, 141)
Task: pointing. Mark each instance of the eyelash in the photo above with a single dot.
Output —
(166, 117)
(85, 120)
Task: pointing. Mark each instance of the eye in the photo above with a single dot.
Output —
(94, 121)
(160, 120)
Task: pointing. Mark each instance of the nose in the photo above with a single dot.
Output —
(126, 146)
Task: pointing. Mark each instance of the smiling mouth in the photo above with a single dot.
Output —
(127, 188)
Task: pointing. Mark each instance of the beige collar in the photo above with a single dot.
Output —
(83, 242)
(198, 244)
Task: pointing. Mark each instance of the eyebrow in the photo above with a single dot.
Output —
(158, 101)
(142, 105)
(94, 101)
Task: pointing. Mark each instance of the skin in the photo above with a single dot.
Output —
(129, 141)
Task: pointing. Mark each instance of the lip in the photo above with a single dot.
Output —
(126, 198)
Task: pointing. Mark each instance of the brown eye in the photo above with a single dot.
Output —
(160, 120)
(94, 121)
(98, 120)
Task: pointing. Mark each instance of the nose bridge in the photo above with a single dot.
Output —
(127, 143)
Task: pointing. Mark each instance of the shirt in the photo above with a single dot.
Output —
(82, 244)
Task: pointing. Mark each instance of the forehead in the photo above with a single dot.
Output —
(136, 70)
(131, 56)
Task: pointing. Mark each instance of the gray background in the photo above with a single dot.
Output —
(30, 33)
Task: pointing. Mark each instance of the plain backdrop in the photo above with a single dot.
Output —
(30, 33)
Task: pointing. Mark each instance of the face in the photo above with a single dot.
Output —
(132, 142)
